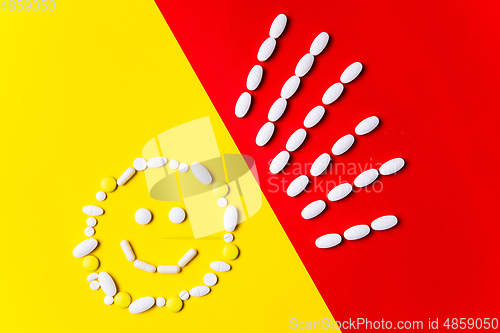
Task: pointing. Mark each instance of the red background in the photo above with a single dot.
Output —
(430, 75)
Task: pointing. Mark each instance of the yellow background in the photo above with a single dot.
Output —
(83, 88)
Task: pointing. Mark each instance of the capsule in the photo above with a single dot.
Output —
(127, 250)
(169, 269)
(187, 257)
(144, 266)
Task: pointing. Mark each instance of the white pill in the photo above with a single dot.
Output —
(230, 218)
(296, 139)
(297, 186)
(320, 164)
(141, 305)
(94, 285)
(314, 116)
(101, 196)
(210, 279)
(304, 65)
(351, 72)
(313, 209)
(366, 178)
(168, 269)
(140, 164)
(357, 232)
(108, 300)
(160, 301)
(93, 210)
(265, 134)
(173, 164)
(183, 167)
(222, 202)
(143, 216)
(343, 144)
(89, 231)
(392, 166)
(228, 237)
(157, 162)
(254, 77)
(277, 109)
(384, 222)
(242, 105)
(340, 192)
(266, 49)
(126, 176)
(290, 87)
(279, 162)
(199, 291)
(201, 173)
(177, 215)
(329, 240)
(91, 221)
(92, 277)
(319, 43)
(187, 257)
(107, 284)
(127, 249)
(220, 266)
(332, 93)
(367, 125)
(85, 247)
(184, 295)
(278, 26)
(144, 266)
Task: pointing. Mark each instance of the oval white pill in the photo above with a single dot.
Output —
(177, 215)
(107, 284)
(201, 173)
(340, 192)
(279, 162)
(278, 26)
(91, 221)
(92, 277)
(297, 186)
(266, 49)
(265, 134)
(254, 77)
(183, 167)
(220, 266)
(328, 241)
(357, 232)
(89, 231)
(210, 279)
(242, 105)
(384, 222)
(290, 87)
(199, 291)
(190, 254)
(94, 285)
(125, 177)
(314, 116)
(343, 144)
(141, 305)
(313, 209)
(319, 43)
(173, 164)
(143, 216)
(170, 269)
(144, 266)
(351, 72)
(184, 295)
(222, 202)
(108, 300)
(367, 125)
(85, 247)
(304, 65)
(101, 196)
(157, 162)
(366, 178)
(230, 218)
(140, 164)
(160, 301)
(127, 249)
(392, 166)
(296, 139)
(320, 164)
(93, 210)
(228, 237)
(332, 93)
(277, 109)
